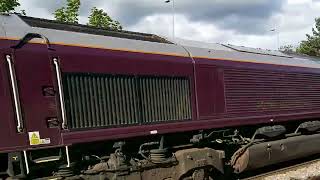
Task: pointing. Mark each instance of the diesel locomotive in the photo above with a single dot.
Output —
(78, 102)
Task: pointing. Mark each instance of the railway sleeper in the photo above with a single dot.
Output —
(259, 154)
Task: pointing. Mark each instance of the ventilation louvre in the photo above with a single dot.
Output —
(95, 100)
(265, 92)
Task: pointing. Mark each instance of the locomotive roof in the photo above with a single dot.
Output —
(14, 26)
(51, 24)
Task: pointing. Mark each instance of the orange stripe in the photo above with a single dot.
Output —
(145, 52)
(98, 47)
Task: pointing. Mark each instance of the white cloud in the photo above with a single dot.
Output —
(293, 22)
(200, 31)
(162, 24)
(290, 2)
(35, 11)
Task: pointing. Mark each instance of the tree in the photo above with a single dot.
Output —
(8, 6)
(311, 46)
(287, 49)
(100, 19)
(68, 14)
(23, 12)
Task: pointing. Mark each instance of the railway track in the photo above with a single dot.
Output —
(283, 170)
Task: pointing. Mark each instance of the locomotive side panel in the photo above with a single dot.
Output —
(9, 137)
(5, 106)
(259, 92)
(111, 93)
(210, 91)
(256, 93)
(38, 96)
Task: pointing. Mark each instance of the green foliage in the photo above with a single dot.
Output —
(100, 19)
(287, 49)
(8, 6)
(68, 14)
(23, 12)
(311, 46)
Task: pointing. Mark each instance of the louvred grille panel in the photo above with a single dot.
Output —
(253, 91)
(95, 100)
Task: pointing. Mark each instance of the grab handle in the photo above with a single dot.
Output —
(16, 96)
(61, 96)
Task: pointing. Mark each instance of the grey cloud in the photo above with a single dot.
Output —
(249, 17)
(52, 5)
(242, 16)
(49, 6)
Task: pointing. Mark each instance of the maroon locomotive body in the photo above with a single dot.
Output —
(73, 97)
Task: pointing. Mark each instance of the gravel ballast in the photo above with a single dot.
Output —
(309, 172)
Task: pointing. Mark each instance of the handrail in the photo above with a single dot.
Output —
(15, 91)
(61, 96)
(28, 37)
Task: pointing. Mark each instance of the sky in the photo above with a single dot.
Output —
(239, 22)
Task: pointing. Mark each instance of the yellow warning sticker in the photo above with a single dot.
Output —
(34, 138)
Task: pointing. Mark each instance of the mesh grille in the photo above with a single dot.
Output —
(164, 99)
(270, 92)
(94, 101)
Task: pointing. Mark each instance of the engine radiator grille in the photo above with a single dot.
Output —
(265, 92)
(95, 100)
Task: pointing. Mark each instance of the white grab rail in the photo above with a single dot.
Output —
(15, 91)
(61, 97)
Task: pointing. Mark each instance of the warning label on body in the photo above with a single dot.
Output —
(34, 138)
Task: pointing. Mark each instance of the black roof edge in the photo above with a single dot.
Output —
(52, 24)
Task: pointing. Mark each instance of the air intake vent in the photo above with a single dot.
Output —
(95, 100)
